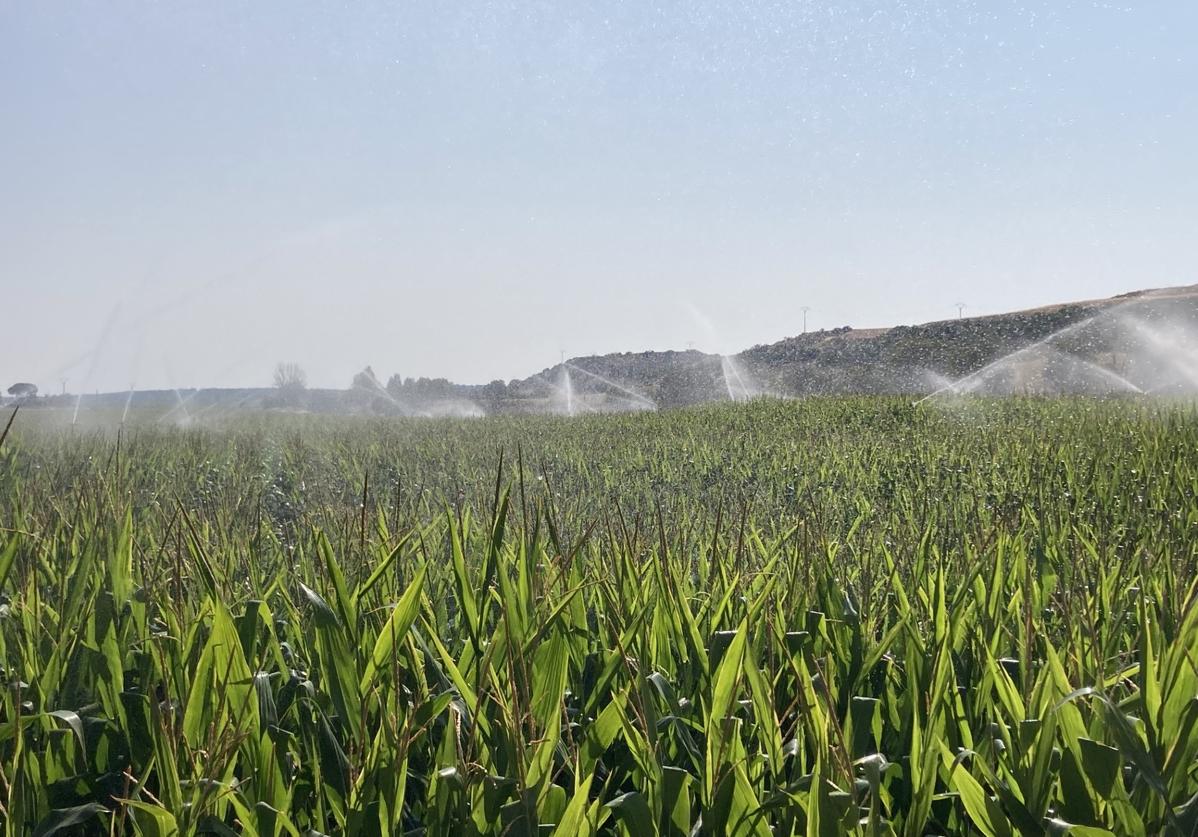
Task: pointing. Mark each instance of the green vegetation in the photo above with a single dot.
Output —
(817, 618)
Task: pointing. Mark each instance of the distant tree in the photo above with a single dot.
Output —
(23, 390)
(366, 380)
(291, 383)
(395, 385)
(430, 388)
(495, 390)
(290, 377)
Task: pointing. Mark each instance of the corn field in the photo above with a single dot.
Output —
(824, 617)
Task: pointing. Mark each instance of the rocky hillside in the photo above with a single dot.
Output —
(1142, 340)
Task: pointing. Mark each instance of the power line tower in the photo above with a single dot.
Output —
(960, 310)
(805, 309)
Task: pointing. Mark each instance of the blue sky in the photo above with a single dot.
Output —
(195, 191)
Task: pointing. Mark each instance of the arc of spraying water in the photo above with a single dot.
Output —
(636, 396)
(730, 370)
(180, 405)
(1183, 359)
(128, 402)
(1186, 363)
(1106, 374)
(979, 374)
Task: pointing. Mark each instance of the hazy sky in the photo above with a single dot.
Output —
(190, 192)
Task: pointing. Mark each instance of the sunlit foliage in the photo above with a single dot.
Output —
(818, 618)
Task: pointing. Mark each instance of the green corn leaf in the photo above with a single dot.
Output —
(632, 813)
(393, 633)
(65, 820)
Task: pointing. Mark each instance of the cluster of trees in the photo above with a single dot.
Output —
(367, 393)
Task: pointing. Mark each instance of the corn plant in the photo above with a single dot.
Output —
(843, 616)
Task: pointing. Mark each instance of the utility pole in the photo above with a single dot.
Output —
(960, 310)
(63, 381)
(805, 309)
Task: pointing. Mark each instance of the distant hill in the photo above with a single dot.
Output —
(1145, 341)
